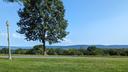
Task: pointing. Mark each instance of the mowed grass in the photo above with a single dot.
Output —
(77, 64)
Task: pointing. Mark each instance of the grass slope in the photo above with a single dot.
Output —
(80, 64)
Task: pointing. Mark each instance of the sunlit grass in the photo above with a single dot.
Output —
(79, 64)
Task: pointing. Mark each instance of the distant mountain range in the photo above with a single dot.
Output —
(72, 46)
(86, 46)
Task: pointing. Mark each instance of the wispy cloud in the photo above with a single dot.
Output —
(3, 34)
(67, 41)
(17, 36)
(14, 35)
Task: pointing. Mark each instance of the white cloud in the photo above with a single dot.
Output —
(3, 34)
(67, 41)
(14, 35)
(17, 36)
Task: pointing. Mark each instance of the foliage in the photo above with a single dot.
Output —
(4, 51)
(11, 0)
(18, 1)
(43, 20)
(51, 51)
(21, 51)
(73, 51)
(38, 49)
(91, 50)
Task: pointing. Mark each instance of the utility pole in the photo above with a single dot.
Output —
(8, 39)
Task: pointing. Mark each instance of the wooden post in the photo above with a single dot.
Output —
(8, 39)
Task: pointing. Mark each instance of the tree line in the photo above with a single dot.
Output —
(91, 50)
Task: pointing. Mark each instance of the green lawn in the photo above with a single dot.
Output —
(80, 64)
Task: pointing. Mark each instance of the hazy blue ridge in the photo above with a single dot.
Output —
(71, 46)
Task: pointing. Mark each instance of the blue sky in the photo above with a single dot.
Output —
(103, 22)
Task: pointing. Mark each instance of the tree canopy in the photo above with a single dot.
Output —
(43, 20)
(13, 0)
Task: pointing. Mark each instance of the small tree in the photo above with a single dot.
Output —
(37, 49)
(43, 20)
(91, 50)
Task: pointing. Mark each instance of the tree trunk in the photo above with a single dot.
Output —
(44, 48)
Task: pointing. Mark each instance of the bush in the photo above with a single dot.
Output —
(51, 51)
(38, 49)
(21, 51)
(4, 51)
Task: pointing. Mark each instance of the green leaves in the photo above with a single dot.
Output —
(43, 20)
(13, 0)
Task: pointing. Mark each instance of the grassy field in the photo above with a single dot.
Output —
(77, 64)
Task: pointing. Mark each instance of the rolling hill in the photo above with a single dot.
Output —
(71, 46)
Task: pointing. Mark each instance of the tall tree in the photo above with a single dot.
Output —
(43, 20)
